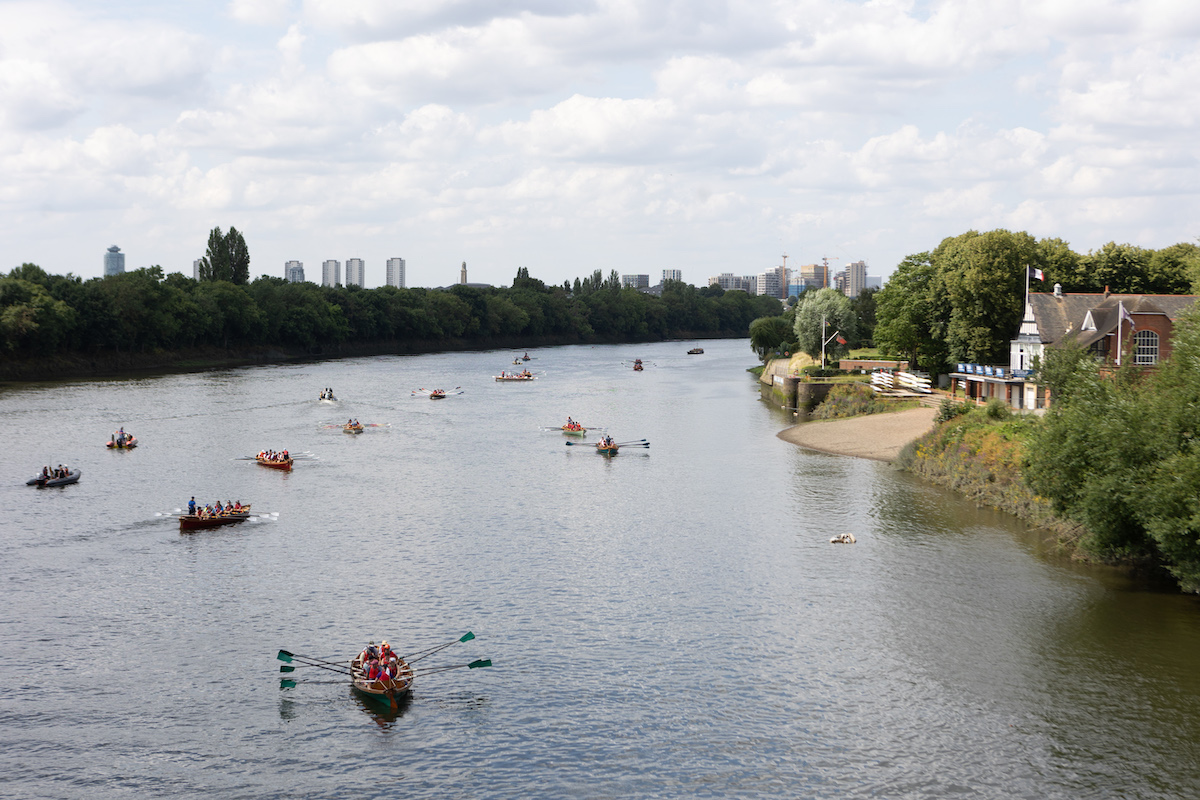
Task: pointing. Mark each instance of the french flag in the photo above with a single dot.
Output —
(1036, 274)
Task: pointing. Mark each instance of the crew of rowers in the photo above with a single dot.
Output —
(215, 509)
(522, 374)
(53, 474)
(327, 394)
(606, 442)
(353, 423)
(572, 425)
(273, 455)
(379, 664)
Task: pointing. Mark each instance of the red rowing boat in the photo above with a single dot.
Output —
(191, 522)
(283, 463)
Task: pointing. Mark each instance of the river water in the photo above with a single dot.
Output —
(672, 622)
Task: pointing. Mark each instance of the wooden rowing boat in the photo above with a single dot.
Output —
(578, 430)
(391, 692)
(696, 351)
(39, 481)
(191, 522)
(611, 450)
(516, 377)
(352, 428)
(283, 464)
(437, 394)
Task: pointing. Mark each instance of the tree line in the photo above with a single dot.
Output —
(145, 310)
(963, 300)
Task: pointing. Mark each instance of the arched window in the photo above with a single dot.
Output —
(1146, 347)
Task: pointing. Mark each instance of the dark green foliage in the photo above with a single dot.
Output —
(227, 258)
(949, 409)
(1119, 455)
(997, 410)
(144, 310)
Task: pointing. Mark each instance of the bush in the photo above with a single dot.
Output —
(997, 409)
(949, 409)
(854, 399)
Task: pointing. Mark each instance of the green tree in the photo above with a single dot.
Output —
(768, 334)
(821, 315)
(984, 275)
(865, 311)
(1121, 268)
(227, 258)
(911, 314)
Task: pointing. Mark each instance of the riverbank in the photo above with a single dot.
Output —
(109, 363)
(876, 436)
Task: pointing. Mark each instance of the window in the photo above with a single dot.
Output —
(1146, 347)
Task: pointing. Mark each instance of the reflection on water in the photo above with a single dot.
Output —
(672, 622)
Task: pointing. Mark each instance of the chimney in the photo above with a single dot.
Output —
(1106, 293)
(1058, 290)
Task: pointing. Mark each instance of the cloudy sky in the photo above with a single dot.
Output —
(572, 135)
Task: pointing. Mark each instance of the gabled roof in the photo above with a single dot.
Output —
(1059, 316)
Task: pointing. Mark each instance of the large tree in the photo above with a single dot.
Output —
(227, 257)
(984, 274)
(911, 314)
(825, 317)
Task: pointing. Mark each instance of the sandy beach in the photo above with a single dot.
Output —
(877, 436)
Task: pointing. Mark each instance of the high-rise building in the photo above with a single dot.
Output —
(354, 272)
(293, 272)
(814, 276)
(331, 272)
(114, 261)
(462, 277)
(196, 269)
(773, 282)
(636, 281)
(395, 273)
(856, 278)
(732, 283)
(672, 275)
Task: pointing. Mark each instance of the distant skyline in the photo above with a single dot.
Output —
(627, 135)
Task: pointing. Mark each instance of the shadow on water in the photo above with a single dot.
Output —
(380, 710)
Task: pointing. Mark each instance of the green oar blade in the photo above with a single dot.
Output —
(284, 655)
(468, 636)
(284, 683)
(483, 662)
(286, 668)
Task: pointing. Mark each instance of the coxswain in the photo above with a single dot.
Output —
(192, 506)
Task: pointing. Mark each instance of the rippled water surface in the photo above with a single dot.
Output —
(672, 622)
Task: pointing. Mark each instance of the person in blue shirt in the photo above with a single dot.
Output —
(192, 506)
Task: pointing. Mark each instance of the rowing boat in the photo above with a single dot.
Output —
(578, 430)
(611, 450)
(190, 522)
(40, 481)
(391, 691)
(352, 428)
(437, 394)
(516, 377)
(696, 351)
(283, 463)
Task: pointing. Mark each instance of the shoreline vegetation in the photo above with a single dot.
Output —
(982, 454)
(54, 326)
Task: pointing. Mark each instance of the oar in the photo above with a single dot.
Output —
(483, 662)
(287, 657)
(418, 655)
(288, 683)
(633, 443)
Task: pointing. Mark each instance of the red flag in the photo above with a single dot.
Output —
(840, 340)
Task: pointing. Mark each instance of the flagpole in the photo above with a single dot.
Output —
(1120, 319)
(822, 341)
(1026, 293)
